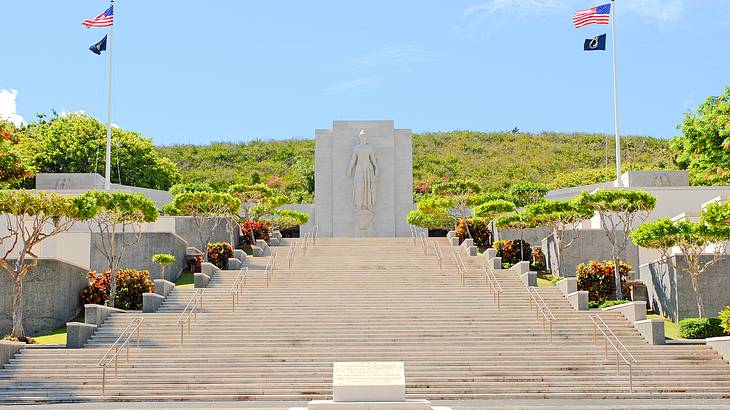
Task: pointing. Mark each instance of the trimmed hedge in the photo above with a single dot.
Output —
(700, 328)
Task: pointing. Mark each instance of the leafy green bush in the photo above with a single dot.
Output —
(598, 279)
(700, 328)
(610, 303)
(218, 254)
(506, 265)
(724, 317)
(131, 284)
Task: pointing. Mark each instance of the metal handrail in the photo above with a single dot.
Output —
(315, 235)
(541, 308)
(629, 361)
(437, 252)
(494, 286)
(239, 283)
(413, 234)
(133, 327)
(290, 256)
(424, 240)
(460, 266)
(269, 269)
(190, 311)
(304, 242)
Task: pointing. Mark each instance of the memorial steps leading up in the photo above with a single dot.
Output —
(361, 300)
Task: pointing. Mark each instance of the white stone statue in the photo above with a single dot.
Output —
(364, 170)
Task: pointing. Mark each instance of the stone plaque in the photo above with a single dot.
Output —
(369, 381)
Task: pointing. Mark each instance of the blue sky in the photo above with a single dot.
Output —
(194, 72)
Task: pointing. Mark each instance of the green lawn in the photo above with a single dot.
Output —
(546, 279)
(186, 280)
(56, 336)
(671, 329)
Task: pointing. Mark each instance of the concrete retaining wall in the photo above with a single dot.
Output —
(533, 236)
(51, 296)
(140, 255)
(672, 295)
(186, 228)
(591, 244)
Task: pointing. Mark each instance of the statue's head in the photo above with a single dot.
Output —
(363, 137)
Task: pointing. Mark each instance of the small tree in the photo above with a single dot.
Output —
(250, 196)
(163, 259)
(459, 193)
(694, 239)
(561, 216)
(519, 221)
(526, 193)
(618, 211)
(432, 212)
(288, 218)
(119, 213)
(31, 218)
(206, 209)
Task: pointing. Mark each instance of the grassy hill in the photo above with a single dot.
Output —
(495, 160)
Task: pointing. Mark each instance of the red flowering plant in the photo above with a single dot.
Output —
(598, 279)
(218, 254)
(131, 284)
(260, 230)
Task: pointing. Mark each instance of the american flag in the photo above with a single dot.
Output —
(104, 19)
(594, 15)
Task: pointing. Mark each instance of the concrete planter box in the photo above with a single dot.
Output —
(633, 311)
(8, 349)
(721, 345)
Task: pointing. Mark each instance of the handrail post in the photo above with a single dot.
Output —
(182, 335)
(139, 330)
(631, 379)
(103, 382)
(551, 332)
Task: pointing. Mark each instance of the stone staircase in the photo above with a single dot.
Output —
(362, 300)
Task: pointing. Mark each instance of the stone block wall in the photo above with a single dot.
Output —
(51, 296)
(671, 292)
(186, 228)
(591, 244)
(140, 255)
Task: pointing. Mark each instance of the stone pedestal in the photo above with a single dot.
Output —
(335, 211)
(369, 386)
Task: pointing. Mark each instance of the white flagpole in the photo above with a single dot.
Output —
(615, 95)
(108, 165)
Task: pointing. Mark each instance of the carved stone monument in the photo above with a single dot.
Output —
(363, 179)
(369, 386)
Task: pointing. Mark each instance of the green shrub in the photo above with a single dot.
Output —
(700, 328)
(131, 284)
(609, 303)
(218, 254)
(506, 265)
(724, 317)
(598, 279)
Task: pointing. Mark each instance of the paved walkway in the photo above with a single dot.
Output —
(556, 404)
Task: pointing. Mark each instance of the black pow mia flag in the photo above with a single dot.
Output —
(596, 43)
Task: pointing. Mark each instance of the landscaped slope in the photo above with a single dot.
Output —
(496, 160)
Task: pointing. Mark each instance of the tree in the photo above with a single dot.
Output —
(459, 193)
(250, 197)
(618, 211)
(704, 147)
(432, 212)
(163, 259)
(288, 218)
(560, 216)
(178, 189)
(207, 209)
(694, 239)
(12, 168)
(76, 143)
(118, 213)
(516, 220)
(526, 193)
(30, 219)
